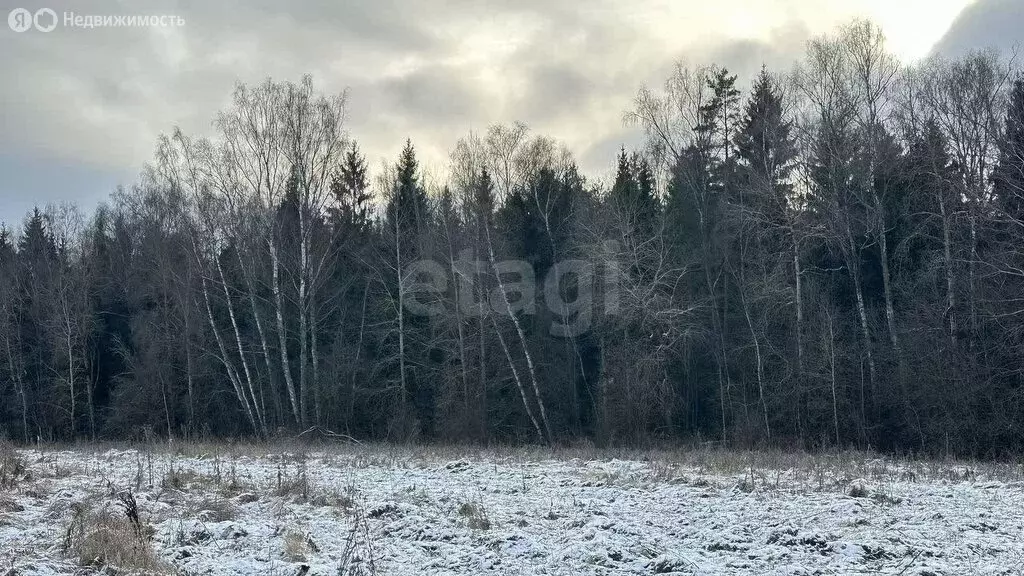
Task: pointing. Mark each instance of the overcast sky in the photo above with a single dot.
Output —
(82, 108)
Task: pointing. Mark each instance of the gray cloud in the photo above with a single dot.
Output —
(442, 93)
(985, 24)
(779, 52)
(89, 104)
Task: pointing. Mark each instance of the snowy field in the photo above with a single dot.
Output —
(289, 510)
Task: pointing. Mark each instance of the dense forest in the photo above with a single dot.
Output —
(831, 257)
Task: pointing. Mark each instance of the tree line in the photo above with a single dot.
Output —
(829, 258)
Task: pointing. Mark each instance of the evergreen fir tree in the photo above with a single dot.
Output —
(767, 149)
(407, 207)
(623, 190)
(351, 192)
(1008, 176)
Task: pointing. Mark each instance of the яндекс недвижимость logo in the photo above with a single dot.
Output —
(21, 19)
(46, 20)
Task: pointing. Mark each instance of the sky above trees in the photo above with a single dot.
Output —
(83, 107)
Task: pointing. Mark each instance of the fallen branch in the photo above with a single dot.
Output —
(329, 434)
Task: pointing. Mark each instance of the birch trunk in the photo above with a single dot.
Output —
(461, 332)
(522, 337)
(90, 397)
(167, 409)
(519, 381)
(275, 265)
(401, 317)
(259, 330)
(947, 255)
(241, 350)
(861, 310)
(571, 345)
(314, 356)
(971, 271)
(832, 367)
(799, 332)
(232, 375)
(19, 383)
(890, 310)
(190, 382)
(483, 358)
(305, 389)
(71, 366)
(355, 364)
(760, 368)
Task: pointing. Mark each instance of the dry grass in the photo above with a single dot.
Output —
(858, 490)
(183, 479)
(8, 504)
(293, 484)
(297, 488)
(770, 468)
(359, 557)
(8, 507)
(213, 509)
(296, 546)
(475, 515)
(105, 539)
(333, 499)
(753, 470)
(13, 468)
(711, 455)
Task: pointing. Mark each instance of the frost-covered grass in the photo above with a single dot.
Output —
(291, 509)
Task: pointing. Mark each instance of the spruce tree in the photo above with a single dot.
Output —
(37, 255)
(1008, 177)
(623, 190)
(407, 207)
(351, 192)
(767, 150)
(407, 221)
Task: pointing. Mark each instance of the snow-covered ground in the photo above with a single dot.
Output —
(380, 510)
